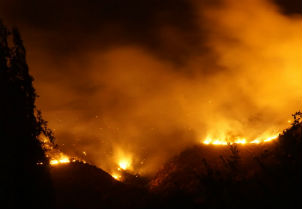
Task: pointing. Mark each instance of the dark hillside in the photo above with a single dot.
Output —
(267, 176)
(79, 185)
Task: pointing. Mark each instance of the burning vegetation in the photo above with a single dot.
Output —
(237, 140)
(204, 128)
(54, 154)
(124, 162)
(241, 89)
(201, 176)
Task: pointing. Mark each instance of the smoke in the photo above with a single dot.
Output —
(237, 73)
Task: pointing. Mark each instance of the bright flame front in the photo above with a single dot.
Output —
(63, 159)
(243, 141)
(124, 164)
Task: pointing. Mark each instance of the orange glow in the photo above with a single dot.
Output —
(270, 138)
(256, 141)
(242, 89)
(55, 155)
(207, 141)
(242, 141)
(123, 159)
(62, 160)
(124, 164)
(219, 142)
(116, 176)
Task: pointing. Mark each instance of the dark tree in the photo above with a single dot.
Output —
(24, 183)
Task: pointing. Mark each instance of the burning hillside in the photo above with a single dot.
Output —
(54, 154)
(254, 176)
(237, 82)
(124, 162)
(151, 104)
(202, 176)
(237, 140)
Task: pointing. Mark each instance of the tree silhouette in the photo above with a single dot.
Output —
(23, 182)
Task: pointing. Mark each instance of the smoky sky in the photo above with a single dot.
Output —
(151, 78)
(290, 7)
(69, 27)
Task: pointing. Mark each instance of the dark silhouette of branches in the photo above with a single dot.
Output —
(297, 118)
(25, 183)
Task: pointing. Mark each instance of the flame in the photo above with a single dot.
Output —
(219, 142)
(256, 141)
(55, 155)
(123, 159)
(116, 176)
(207, 141)
(243, 141)
(62, 160)
(124, 164)
(270, 138)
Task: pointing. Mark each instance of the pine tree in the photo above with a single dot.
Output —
(26, 183)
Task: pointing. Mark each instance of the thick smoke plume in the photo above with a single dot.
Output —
(238, 74)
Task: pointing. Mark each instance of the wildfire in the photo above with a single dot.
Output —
(61, 160)
(243, 141)
(55, 155)
(116, 176)
(124, 164)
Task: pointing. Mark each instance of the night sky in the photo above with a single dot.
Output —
(66, 28)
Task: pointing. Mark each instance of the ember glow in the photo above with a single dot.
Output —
(55, 155)
(62, 159)
(116, 176)
(243, 141)
(124, 164)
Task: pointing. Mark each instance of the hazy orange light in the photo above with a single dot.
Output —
(54, 162)
(116, 176)
(219, 142)
(242, 141)
(207, 141)
(124, 164)
(271, 138)
(256, 141)
(61, 160)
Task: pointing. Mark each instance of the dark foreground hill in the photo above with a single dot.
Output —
(79, 185)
